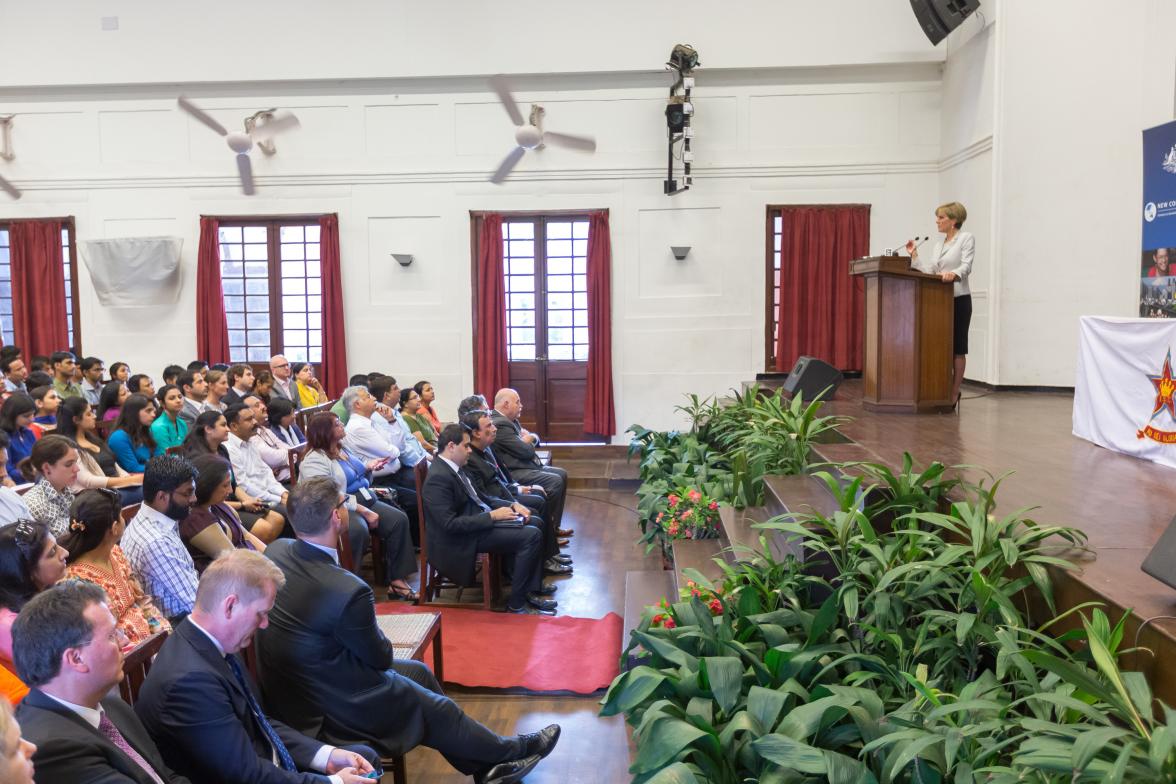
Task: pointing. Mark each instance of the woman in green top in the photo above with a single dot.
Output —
(169, 429)
(418, 423)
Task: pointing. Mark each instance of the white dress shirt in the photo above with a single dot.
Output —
(365, 443)
(251, 471)
(12, 507)
(273, 452)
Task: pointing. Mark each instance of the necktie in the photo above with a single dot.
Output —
(287, 762)
(465, 481)
(497, 469)
(107, 728)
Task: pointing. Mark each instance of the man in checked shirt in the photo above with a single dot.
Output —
(152, 541)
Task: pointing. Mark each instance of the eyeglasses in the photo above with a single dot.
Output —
(281, 367)
(342, 503)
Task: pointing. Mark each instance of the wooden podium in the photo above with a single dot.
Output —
(908, 362)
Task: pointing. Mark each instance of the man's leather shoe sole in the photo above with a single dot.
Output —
(527, 609)
(556, 569)
(508, 772)
(566, 560)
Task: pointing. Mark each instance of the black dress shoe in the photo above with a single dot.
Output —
(535, 600)
(527, 609)
(542, 742)
(547, 589)
(563, 559)
(508, 772)
(554, 567)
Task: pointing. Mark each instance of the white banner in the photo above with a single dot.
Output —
(1124, 394)
(134, 272)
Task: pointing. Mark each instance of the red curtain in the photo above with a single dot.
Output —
(334, 364)
(212, 330)
(599, 417)
(821, 305)
(39, 318)
(491, 372)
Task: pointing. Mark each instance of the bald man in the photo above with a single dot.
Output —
(283, 379)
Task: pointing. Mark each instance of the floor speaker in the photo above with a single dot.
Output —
(811, 378)
(940, 17)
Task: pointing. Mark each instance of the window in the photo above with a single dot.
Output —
(70, 265)
(775, 227)
(273, 289)
(545, 265)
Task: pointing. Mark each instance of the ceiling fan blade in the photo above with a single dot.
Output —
(282, 121)
(245, 169)
(507, 166)
(9, 188)
(502, 88)
(571, 141)
(201, 115)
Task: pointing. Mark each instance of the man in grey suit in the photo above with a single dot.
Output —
(195, 391)
(515, 447)
(327, 670)
(283, 379)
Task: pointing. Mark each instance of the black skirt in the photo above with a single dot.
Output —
(963, 319)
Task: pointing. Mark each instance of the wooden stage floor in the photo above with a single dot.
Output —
(1122, 503)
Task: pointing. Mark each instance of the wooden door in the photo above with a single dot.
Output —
(545, 261)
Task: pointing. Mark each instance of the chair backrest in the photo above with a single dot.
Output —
(22, 489)
(175, 450)
(346, 559)
(128, 513)
(304, 415)
(295, 456)
(420, 472)
(136, 665)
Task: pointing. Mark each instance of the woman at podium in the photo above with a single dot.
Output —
(951, 259)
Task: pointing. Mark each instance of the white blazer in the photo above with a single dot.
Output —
(955, 256)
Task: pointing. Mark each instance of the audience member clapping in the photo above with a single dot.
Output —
(132, 442)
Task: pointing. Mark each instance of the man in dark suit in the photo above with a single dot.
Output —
(495, 488)
(515, 447)
(202, 708)
(459, 525)
(327, 669)
(67, 649)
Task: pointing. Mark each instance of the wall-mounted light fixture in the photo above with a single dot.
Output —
(403, 259)
(680, 251)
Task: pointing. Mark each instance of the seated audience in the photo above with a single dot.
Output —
(310, 389)
(141, 384)
(63, 364)
(30, 561)
(459, 525)
(263, 385)
(362, 439)
(15, 373)
(16, 753)
(515, 447)
(202, 708)
(421, 427)
(327, 458)
(120, 372)
(92, 372)
(212, 527)
(169, 429)
(198, 366)
(208, 437)
(218, 387)
(283, 379)
(357, 380)
(54, 462)
(68, 650)
(240, 379)
(95, 528)
(171, 374)
(16, 415)
(425, 390)
(111, 399)
(326, 667)
(273, 452)
(39, 363)
(46, 400)
(152, 540)
(12, 505)
(132, 441)
(388, 423)
(97, 466)
(281, 417)
(248, 467)
(194, 389)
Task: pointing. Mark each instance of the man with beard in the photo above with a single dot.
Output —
(152, 540)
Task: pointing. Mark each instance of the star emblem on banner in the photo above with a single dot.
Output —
(1165, 388)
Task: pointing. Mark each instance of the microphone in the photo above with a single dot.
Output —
(894, 251)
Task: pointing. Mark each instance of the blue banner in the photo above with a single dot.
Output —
(1157, 287)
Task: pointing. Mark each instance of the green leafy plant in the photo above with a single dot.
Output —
(687, 514)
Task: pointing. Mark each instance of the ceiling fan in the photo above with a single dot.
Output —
(273, 123)
(530, 135)
(6, 153)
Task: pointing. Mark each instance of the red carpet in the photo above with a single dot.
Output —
(502, 651)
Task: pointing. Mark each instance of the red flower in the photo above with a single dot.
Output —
(660, 515)
(689, 534)
(669, 624)
(713, 505)
(674, 500)
(673, 529)
(694, 496)
(687, 513)
(716, 607)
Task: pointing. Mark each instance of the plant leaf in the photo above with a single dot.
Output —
(662, 741)
(788, 753)
(724, 677)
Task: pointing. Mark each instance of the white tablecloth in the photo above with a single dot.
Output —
(1121, 398)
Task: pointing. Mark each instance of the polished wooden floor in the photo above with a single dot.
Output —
(591, 749)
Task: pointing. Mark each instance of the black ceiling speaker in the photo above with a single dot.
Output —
(940, 17)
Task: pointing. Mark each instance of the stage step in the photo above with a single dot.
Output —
(643, 589)
(743, 540)
(698, 554)
(797, 494)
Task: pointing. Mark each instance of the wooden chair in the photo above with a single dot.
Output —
(175, 450)
(128, 513)
(304, 415)
(295, 455)
(432, 583)
(136, 665)
(347, 557)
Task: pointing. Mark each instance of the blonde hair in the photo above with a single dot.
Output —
(955, 211)
(243, 573)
